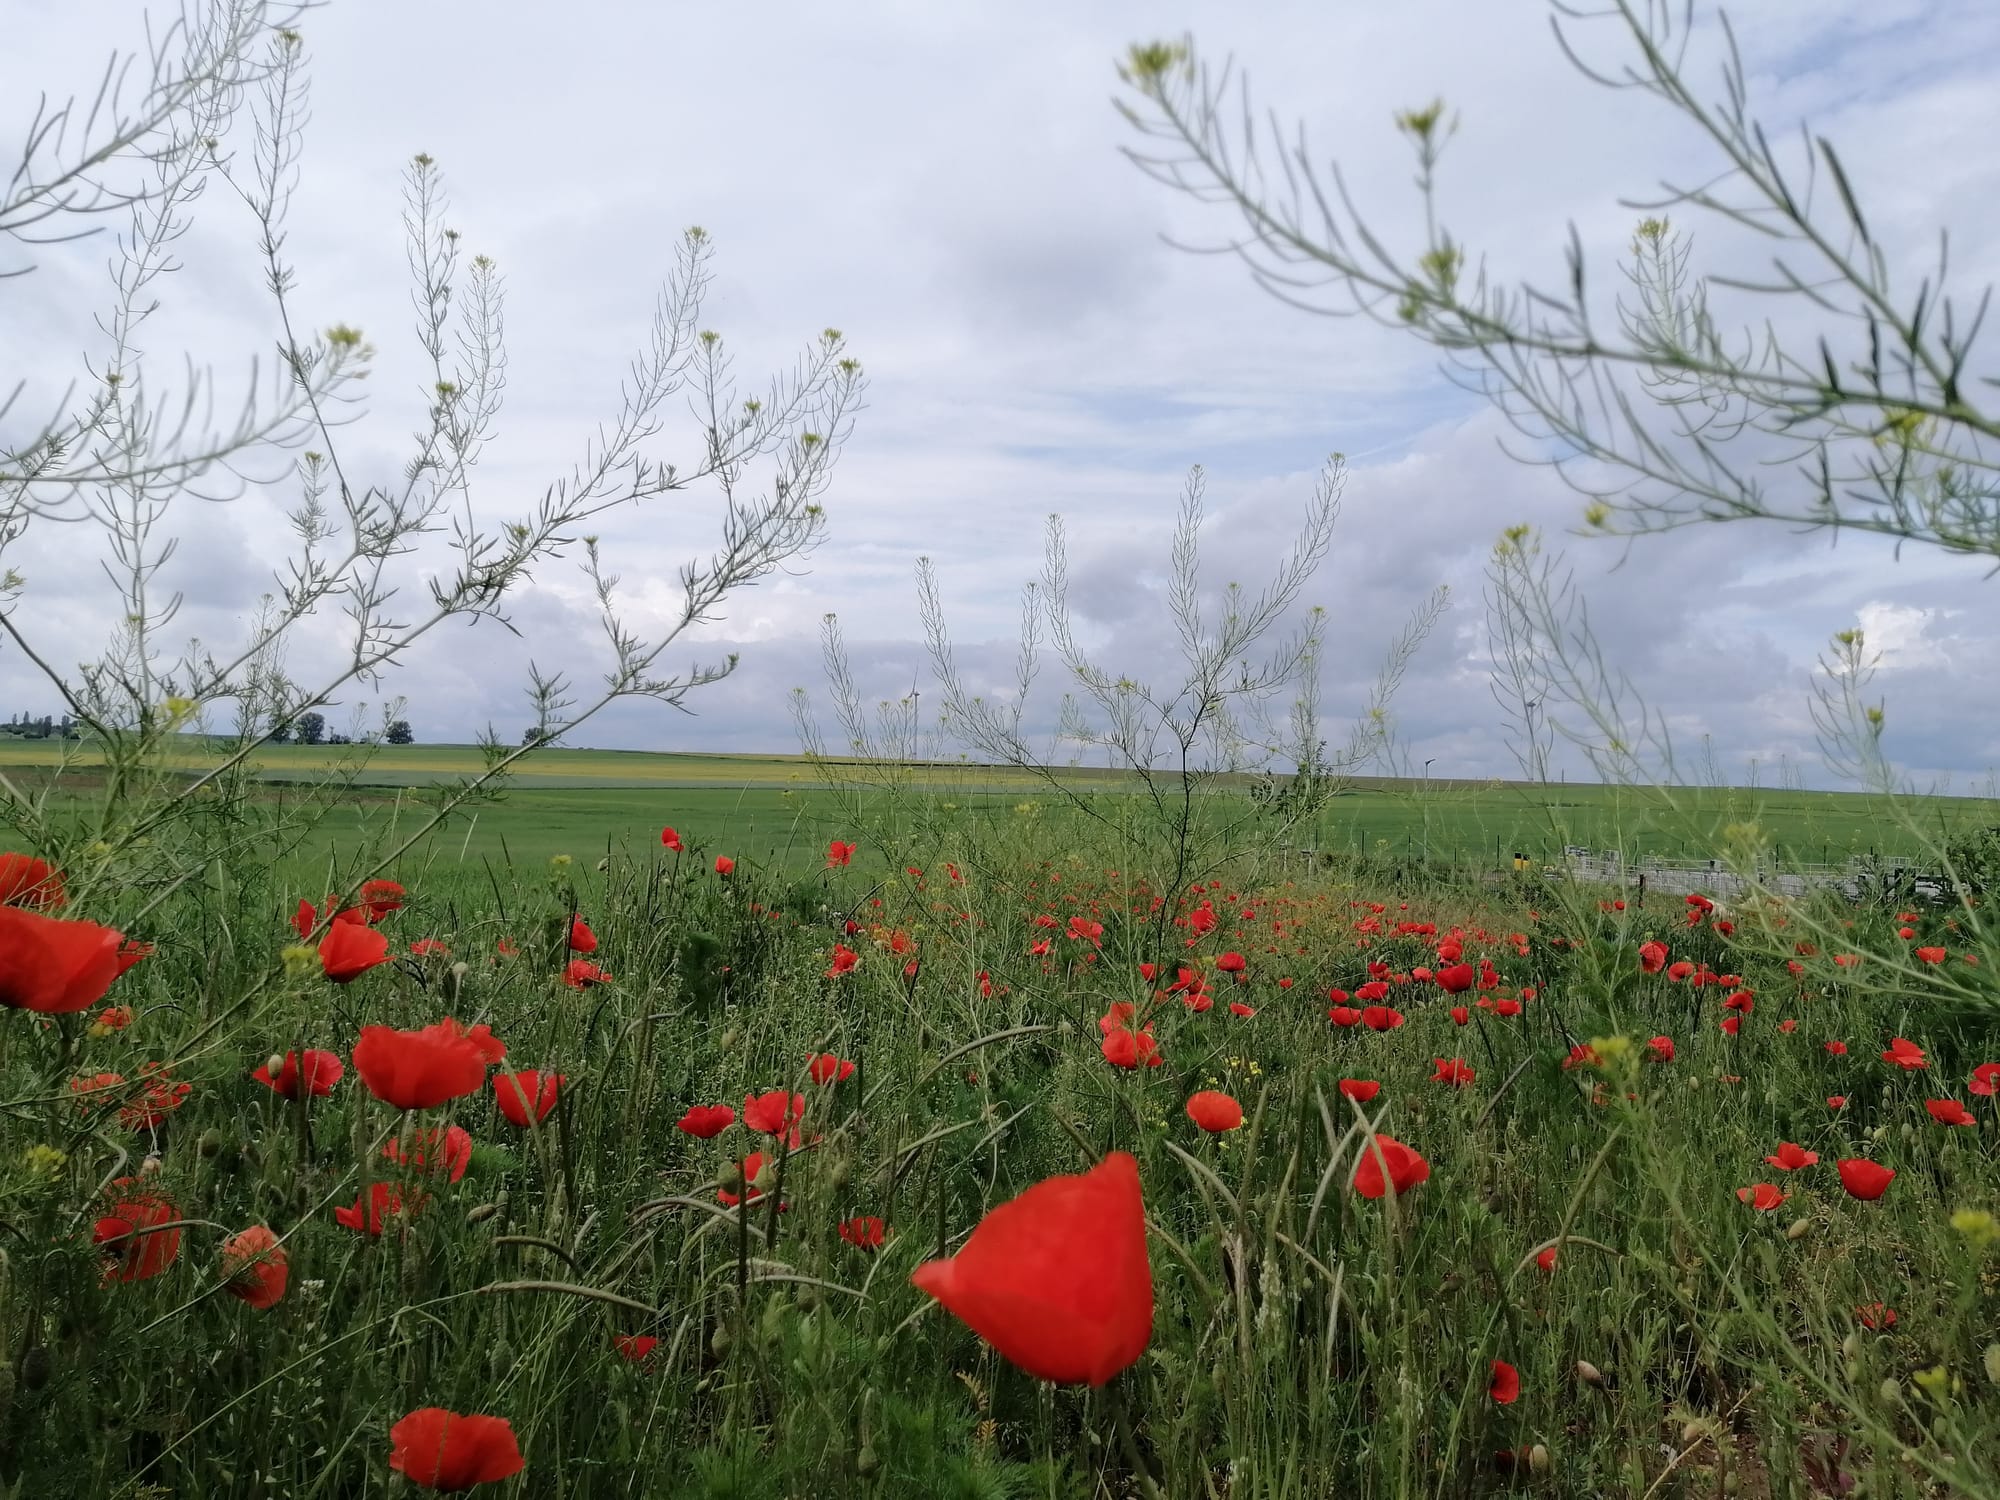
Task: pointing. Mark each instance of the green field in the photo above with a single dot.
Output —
(777, 808)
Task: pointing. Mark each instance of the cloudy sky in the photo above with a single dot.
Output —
(944, 183)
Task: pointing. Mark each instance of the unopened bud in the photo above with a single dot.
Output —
(275, 1064)
(730, 1038)
(721, 1341)
(1799, 1229)
(150, 1165)
(210, 1144)
(1588, 1373)
(1891, 1391)
(36, 1367)
(481, 1212)
(1991, 1359)
(1538, 1459)
(1850, 1347)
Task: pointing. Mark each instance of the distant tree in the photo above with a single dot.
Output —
(337, 738)
(281, 734)
(311, 729)
(398, 732)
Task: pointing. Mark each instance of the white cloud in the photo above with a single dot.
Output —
(944, 184)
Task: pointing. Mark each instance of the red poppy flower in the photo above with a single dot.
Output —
(159, 1097)
(27, 881)
(1652, 957)
(1381, 1018)
(824, 1067)
(1507, 1007)
(1360, 1090)
(1950, 1112)
(753, 1166)
(724, 865)
(1231, 963)
(1505, 1386)
(1453, 1071)
(1344, 1016)
(350, 950)
(118, 1017)
(1456, 979)
(254, 1267)
(706, 1121)
(94, 1088)
(1863, 1179)
(1460, 1016)
(135, 1254)
(1743, 1000)
(1790, 1157)
(322, 1071)
(443, 1451)
(863, 1233)
(1985, 1079)
(513, 1091)
(634, 1346)
(1056, 1279)
(1836, 1101)
(435, 1151)
(844, 960)
(429, 948)
(581, 974)
(1238, 1008)
(1546, 1258)
(53, 966)
(766, 1113)
(1129, 1049)
(380, 897)
(1763, 1196)
(1906, 1055)
(1661, 1049)
(1582, 1055)
(581, 938)
(671, 839)
(1931, 955)
(419, 1069)
(1836, 1049)
(1405, 1168)
(383, 1203)
(1214, 1112)
(838, 853)
(1876, 1316)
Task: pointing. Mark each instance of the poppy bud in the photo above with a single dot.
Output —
(274, 1064)
(1588, 1373)
(721, 1341)
(150, 1165)
(603, 864)
(866, 1463)
(1891, 1392)
(454, 980)
(36, 1367)
(840, 1172)
(1909, 1132)
(1991, 1359)
(730, 1038)
(210, 1144)
(1850, 1347)
(1798, 1229)
(500, 1360)
(1538, 1459)
(771, 1327)
(481, 1212)
(808, 1298)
